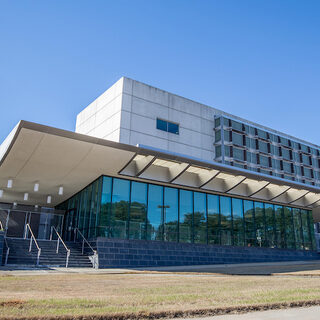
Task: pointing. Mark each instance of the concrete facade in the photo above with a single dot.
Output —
(127, 113)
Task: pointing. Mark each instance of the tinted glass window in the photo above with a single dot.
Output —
(104, 223)
(155, 213)
(170, 213)
(138, 206)
(290, 234)
(213, 219)
(270, 225)
(200, 218)
(120, 209)
(260, 223)
(250, 232)
(238, 227)
(162, 125)
(173, 128)
(226, 221)
(280, 227)
(186, 212)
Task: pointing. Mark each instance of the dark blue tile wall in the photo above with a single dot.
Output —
(1, 246)
(139, 253)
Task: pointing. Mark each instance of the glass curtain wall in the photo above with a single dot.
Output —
(124, 209)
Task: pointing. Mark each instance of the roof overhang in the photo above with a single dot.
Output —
(34, 153)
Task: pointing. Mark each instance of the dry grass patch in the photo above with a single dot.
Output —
(98, 294)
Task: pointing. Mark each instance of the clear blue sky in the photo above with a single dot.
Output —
(257, 59)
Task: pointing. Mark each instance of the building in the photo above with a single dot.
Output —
(150, 179)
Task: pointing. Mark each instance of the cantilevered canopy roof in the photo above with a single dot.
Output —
(51, 157)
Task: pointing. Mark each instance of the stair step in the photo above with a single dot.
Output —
(19, 253)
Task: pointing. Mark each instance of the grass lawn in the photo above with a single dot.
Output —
(96, 294)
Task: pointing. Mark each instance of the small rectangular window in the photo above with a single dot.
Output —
(167, 126)
(162, 125)
(173, 128)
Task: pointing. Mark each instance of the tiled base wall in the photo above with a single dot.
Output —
(1, 245)
(139, 253)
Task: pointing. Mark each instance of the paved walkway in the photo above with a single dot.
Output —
(311, 313)
(306, 268)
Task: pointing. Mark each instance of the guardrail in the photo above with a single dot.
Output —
(32, 238)
(94, 260)
(58, 242)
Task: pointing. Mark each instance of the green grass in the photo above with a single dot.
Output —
(97, 294)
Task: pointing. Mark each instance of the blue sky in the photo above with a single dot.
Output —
(258, 59)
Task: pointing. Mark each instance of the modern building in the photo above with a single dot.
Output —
(152, 179)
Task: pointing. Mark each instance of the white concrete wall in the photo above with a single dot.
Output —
(102, 117)
(143, 104)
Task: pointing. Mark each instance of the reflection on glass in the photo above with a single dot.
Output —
(118, 227)
(280, 227)
(226, 221)
(249, 224)
(213, 219)
(289, 227)
(260, 223)
(155, 204)
(200, 218)
(186, 211)
(170, 214)
(104, 218)
(138, 206)
(297, 228)
(306, 230)
(238, 227)
(270, 226)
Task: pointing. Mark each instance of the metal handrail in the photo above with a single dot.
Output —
(7, 253)
(1, 226)
(84, 240)
(60, 239)
(35, 241)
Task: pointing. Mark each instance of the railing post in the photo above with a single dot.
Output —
(30, 246)
(51, 233)
(74, 234)
(67, 261)
(57, 251)
(7, 255)
(38, 257)
(82, 246)
(7, 224)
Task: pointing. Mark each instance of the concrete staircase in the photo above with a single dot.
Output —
(19, 253)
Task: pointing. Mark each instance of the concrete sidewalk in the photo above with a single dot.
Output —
(306, 268)
(310, 313)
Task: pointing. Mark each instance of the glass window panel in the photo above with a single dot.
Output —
(236, 125)
(95, 208)
(264, 161)
(173, 128)
(120, 209)
(311, 230)
(297, 228)
(217, 122)
(237, 139)
(170, 214)
(289, 226)
(306, 230)
(138, 210)
(218, 151)
(270, 226)
(286, 154)
(287, 167)
(226, 221)
(155, 217)
(238, 154)
(162, 125)
(200, 218)
(217, 136)
(103, 224)
(86, 219)
(306, 159)
(213, 219)
(226, 135)
(263, 146)
(238, 226)
(280, 227)
(260, 224)
(262, 134)
(186, 212)
(250, 232)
